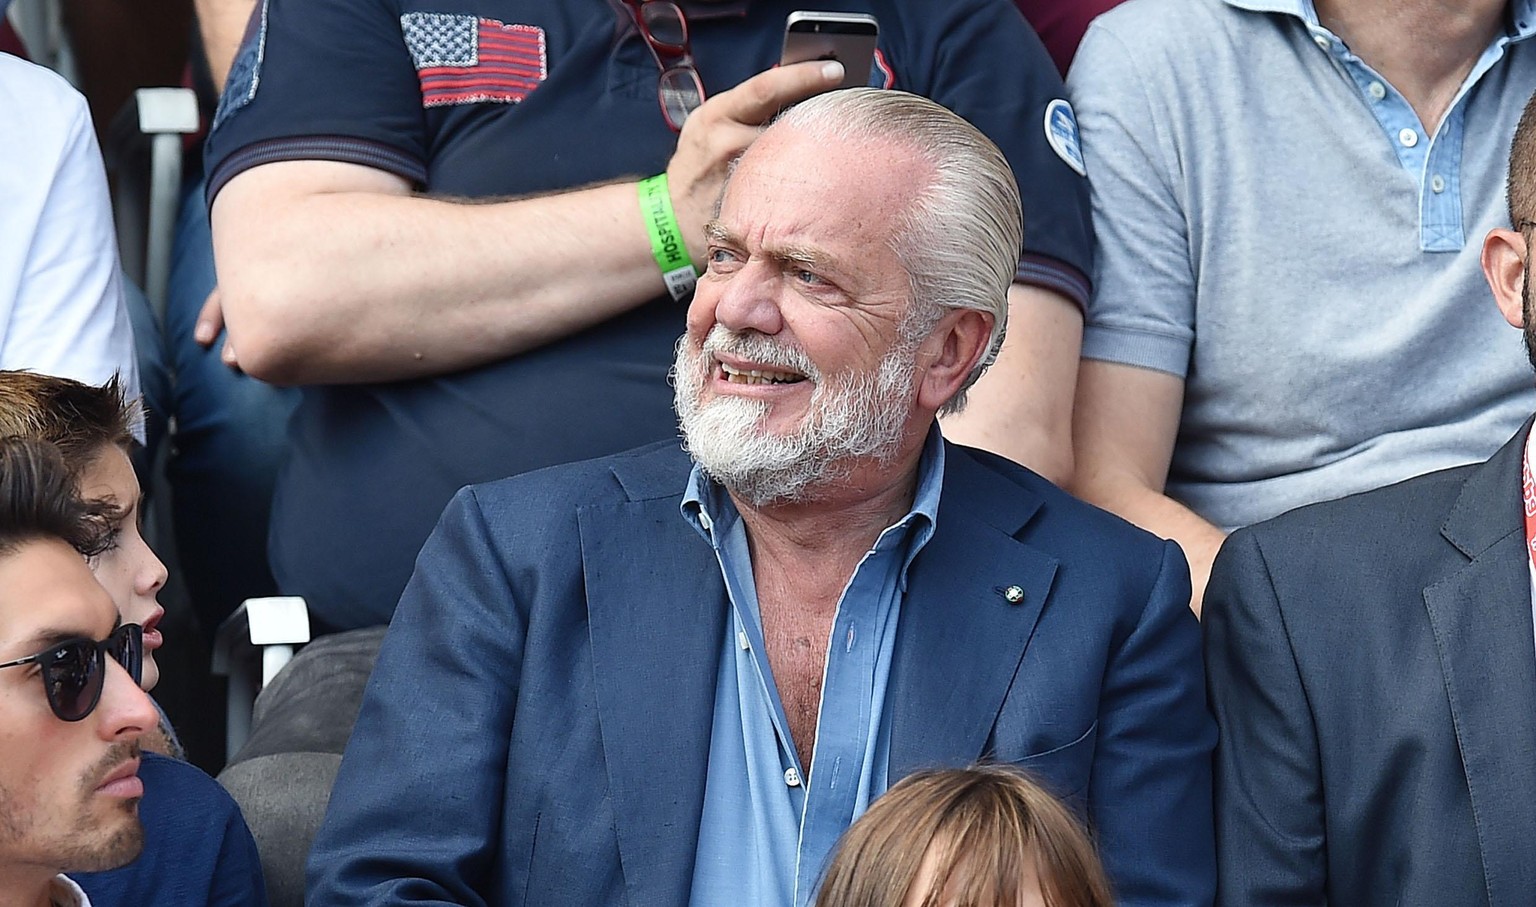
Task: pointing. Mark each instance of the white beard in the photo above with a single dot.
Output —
(862, 415)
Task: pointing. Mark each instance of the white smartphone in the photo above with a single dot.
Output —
(848, 38)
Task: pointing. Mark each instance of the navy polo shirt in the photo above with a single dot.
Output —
(477, 98)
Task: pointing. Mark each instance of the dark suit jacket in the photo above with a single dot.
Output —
(537, 728)
(1373, 673)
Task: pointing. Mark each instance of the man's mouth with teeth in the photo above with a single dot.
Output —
(759, 375)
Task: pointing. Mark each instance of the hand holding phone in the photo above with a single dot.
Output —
(848, 38)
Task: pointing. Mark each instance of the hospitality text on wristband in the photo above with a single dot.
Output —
(666, 239)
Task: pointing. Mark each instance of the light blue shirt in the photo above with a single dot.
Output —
(768, 825)
(1275, 228)
(1433, 162)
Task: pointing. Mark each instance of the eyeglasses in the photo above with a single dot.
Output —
(75, 670)
(665, 30)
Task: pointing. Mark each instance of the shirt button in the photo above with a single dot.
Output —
(1322, 41)
(791, 777)
(1377, 90)
(1437, 183)
(1408, 137)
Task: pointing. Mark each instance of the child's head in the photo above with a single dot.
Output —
(985, 836)
(92, 428)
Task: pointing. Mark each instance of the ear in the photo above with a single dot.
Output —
(950, 353)
(1504, 267)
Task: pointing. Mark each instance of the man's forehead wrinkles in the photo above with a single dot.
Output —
(785, 251)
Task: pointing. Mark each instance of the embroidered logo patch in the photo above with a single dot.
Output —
(1061, 132)
(469, 60)
(245, 71)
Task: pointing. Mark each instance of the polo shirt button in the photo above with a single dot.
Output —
(791, 777)
(1322, 41)
(1408, 137)
(1377, 90)
(1437, 183)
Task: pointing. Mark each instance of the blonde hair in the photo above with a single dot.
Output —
(988, 827)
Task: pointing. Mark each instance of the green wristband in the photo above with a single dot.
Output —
(666, 239)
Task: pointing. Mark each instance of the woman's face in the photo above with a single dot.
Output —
(131, 573)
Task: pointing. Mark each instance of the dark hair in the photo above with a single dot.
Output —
(989, 828)
(1521, 187)
(79, 419)
(38, 500)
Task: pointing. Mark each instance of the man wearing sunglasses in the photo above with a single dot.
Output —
(71, 711)
(77, 793)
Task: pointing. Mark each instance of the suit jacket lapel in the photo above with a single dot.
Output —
(961, 640)
(1481, 618)
(656, 614)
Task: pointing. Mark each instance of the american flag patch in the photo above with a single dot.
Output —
(469, 60)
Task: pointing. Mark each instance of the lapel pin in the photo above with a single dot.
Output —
(1013, 594)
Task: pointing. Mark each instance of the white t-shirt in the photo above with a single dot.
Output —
(66, 893)
(61, 296)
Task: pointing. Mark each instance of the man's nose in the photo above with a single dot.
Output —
(125, 712)
(750, 301)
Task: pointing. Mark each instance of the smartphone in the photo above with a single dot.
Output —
(848, 38)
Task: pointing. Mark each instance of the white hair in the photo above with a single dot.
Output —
(960, 238)
(851, 417)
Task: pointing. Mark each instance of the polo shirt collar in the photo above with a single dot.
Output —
(1522, 13)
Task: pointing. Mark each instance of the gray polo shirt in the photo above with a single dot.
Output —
(1276, 227)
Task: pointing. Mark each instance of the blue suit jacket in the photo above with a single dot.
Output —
(537, 728)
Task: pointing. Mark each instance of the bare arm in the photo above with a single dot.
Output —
(222, 24)
(1124, 425)
(335, 272)
(1022, 407)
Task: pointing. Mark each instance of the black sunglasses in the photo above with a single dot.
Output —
(75, 670)
(665, 30)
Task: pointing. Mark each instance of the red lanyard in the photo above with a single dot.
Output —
(1528, 493)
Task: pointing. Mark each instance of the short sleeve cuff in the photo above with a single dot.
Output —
(343, 149)
(1144, 349)
(1054, 274)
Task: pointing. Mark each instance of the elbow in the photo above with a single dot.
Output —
(1089, 485)
(267, 333)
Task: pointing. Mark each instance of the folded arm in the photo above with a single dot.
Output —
(333, 272)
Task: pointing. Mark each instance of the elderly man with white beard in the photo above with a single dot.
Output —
(676, 675)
